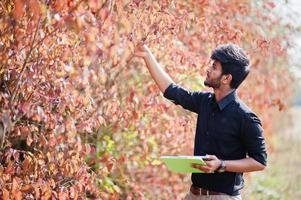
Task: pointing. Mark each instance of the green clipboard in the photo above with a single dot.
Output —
(182, 164)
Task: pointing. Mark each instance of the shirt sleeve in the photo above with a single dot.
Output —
(187, 99)
(253, 139)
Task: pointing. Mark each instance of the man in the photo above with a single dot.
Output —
(227, 130)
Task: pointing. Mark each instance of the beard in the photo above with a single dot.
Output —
(214, 83)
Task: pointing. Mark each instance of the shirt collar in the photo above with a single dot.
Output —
(226, 100)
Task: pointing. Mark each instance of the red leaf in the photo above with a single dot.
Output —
(29, 140)
(271, 4)
(63, 196)
(103, 13)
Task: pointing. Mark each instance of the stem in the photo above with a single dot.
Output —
(24, 64)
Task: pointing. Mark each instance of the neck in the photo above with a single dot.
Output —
(220, 93)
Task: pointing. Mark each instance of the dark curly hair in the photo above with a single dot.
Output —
(234, 61)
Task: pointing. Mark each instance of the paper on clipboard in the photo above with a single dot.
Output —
(182, 164)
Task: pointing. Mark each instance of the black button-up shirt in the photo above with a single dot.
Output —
(227, 129)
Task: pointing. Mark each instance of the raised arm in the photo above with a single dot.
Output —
(189, 100)
(162, 79)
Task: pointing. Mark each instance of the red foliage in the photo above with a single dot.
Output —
(80, 118)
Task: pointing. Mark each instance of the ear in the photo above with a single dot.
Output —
(227, 78)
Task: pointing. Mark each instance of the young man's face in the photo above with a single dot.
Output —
(214, 75)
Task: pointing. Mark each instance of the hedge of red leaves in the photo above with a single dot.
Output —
(81, 118)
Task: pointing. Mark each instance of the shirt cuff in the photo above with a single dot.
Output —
(261, 158)
(168, 93)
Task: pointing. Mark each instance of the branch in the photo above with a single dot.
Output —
(24, 64)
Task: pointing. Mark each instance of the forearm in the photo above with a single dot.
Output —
(243, 165)
(162, 79)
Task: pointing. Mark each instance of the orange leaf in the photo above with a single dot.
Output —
(15, 186)
(73, 193)
(37, 191)
(26, 163)
(94, 5)
(60, 5)
(26, 188)
(52, 141)
(63, 196)
(35, 8)
(17, 195)
(36, 117)
(42, 140)
(19, 9)
(5, 194)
